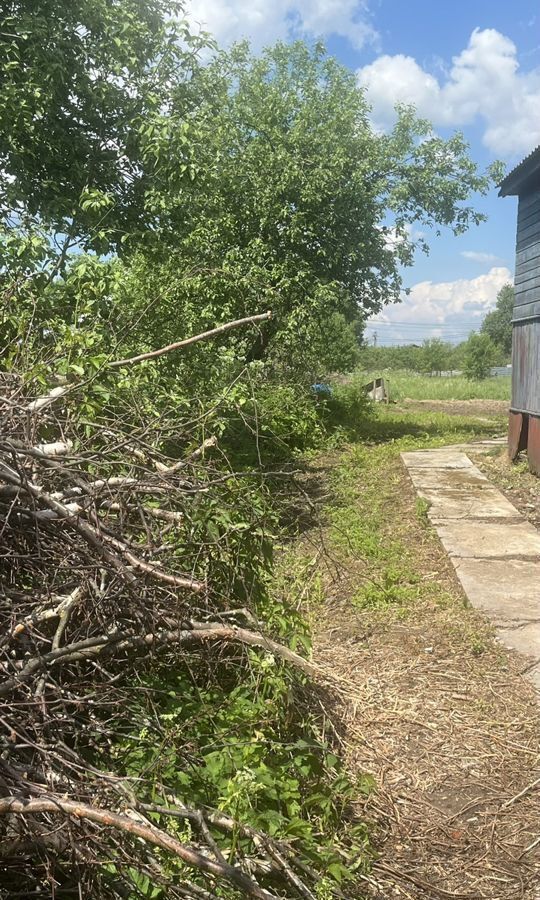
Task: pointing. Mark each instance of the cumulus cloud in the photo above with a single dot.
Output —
(450, 309)
(484, 83)
(392, 239)
(479, 257)
(264, 22)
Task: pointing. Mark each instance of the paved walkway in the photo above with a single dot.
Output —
(495, 552)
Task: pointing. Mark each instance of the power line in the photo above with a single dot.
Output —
(459, 326)
(398, 343)
(422, 334)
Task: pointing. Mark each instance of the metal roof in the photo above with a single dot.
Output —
(518, 178)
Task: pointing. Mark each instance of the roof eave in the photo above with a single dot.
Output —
(524, 174)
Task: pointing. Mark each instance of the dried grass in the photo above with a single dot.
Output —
(440, 715)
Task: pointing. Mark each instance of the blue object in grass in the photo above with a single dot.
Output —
(321, 389)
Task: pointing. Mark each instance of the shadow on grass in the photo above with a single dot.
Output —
(386, 427)
(379, 427)
(305, 491)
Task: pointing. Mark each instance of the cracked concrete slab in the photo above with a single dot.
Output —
(494, 550)
(469, 477)
(436, 459)
(447, 502)
(477, 540)
(533, 674)
(525, 639)
(506, 589)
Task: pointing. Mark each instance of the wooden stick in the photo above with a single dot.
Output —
(199, 633)
(148, 833)
(94, 538)
(49, 398)
(179, 345)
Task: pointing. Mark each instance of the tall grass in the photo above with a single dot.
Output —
(404, 385)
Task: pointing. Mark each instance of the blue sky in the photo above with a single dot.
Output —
(471, 66)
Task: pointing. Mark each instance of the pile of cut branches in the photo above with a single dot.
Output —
(95, 589)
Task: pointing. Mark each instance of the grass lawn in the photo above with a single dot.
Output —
(411, 386)
(429, 704)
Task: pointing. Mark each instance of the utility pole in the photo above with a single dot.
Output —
(374, 338)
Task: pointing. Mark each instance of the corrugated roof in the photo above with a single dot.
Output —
(512, 182)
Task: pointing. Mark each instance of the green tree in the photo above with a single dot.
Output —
(435, 356)
(498, 323)
(246, 184)
(293, 198)
(85, 86)
(401, 356)
(479, 355)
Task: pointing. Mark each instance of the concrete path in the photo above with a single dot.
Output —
(495, 552)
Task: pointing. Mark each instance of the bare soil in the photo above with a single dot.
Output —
(440, 715)
(473, 408)
(515, 481)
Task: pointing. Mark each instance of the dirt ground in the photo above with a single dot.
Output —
(515, 481)
(459, 407)
(439, 714)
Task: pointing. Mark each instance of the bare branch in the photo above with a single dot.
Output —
(199, 633)
(182, 463)
(148, 833)
(187, 342)
(42, 402)
(94, 537)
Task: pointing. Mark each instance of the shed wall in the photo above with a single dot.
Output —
(526, 333)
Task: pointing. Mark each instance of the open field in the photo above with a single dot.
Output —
(411, 386)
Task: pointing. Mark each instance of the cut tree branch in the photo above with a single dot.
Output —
(148, 833)
(94, 538)
(187, 342)
(199, 633)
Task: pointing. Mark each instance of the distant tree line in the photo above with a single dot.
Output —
(491, 346)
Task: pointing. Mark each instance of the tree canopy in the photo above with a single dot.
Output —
(479, 355)
(498, 323)
(298, 203)
(245, 183)
(82, 86)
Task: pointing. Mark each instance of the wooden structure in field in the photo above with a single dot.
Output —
(524, 428)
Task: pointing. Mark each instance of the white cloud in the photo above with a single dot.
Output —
(479, 257)
(392, 239)
(448, 309)
(483, 83)
(265, 21)
(436, 302)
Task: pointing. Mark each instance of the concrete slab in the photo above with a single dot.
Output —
(436, 459)
(470, 478)
(494, 550)
(480, 447)
(476, 540)
(534, 676)
(508, 590)
(525, 639)
(460, 494)
(486, 504)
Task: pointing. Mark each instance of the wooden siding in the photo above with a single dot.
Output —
(525, 375)
(527, 280)
(526, 333)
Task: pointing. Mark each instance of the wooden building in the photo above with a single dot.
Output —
(524, 429)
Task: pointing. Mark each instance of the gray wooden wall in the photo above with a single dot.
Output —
(526, 336)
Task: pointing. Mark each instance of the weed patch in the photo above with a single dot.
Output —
(366, 524)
